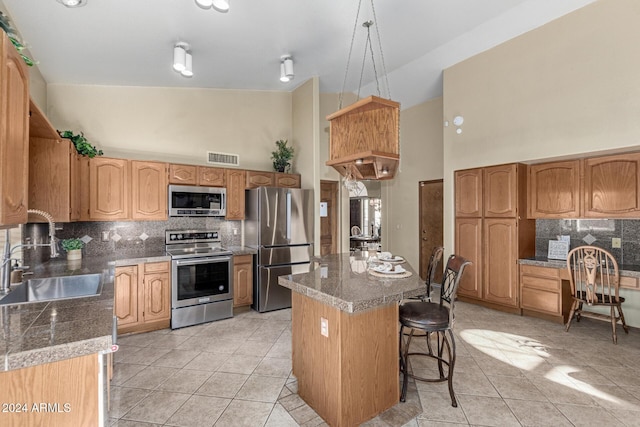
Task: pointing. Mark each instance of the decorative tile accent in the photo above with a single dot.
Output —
(144, 236)
(116, 237)
(589, 239)
(86, 239)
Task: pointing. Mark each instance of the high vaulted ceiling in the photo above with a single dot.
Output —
(130, 42)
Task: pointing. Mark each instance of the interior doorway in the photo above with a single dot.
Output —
(431, 219)
(329, 222)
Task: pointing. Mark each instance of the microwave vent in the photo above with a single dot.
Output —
(223, 158)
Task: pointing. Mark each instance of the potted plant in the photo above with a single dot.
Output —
(83, 147)
(73, 248)
(282, 156)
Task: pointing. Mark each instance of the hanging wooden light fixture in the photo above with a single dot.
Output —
(364, 138)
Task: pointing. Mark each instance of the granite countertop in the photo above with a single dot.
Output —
(626, 270)
(342, 281)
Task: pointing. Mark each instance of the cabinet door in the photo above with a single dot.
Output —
(85, 190)
(75, 185)
(612, 186)
(157, 296)
(242, 280)
(126, 296)
(260, 179)
(288, 180)
(14, 134)
(149, 190)
(469, 246)
(183, 174)
(109, 188)
(235, 194)
(469, 193)
(500, 253)
(500, 191)
(212, 177)
(554, 190)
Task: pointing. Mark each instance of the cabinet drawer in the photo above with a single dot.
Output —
(242, 259)
(628, 282)
(543, 283)
(540, 271)
(539, 300)
(155, 267)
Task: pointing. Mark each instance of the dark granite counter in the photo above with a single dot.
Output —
(626, 270)
(343, 281)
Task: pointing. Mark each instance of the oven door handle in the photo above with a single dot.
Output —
(194, 261)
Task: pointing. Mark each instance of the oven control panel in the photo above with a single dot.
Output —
(191, 236)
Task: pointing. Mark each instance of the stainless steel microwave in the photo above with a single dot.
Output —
(185, 200)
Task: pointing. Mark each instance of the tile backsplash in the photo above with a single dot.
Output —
(130, 237)
(603, 230)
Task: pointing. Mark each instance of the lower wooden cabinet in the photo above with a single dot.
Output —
(143, 297)
(242, 280)
(544, 293)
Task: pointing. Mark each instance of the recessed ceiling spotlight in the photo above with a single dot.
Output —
(219, 5)
(73, 3)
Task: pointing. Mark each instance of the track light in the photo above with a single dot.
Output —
(73, 3)
(219, 5)
(182, 59)
(286, 68)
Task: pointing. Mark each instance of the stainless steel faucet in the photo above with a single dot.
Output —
(52, 231)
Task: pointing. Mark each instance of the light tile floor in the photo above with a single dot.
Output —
(510, 371)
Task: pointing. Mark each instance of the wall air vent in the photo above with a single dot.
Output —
(223, 158)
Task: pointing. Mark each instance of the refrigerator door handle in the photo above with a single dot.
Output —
(288, 215)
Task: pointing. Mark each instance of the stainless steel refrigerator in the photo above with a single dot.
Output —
(279, 224)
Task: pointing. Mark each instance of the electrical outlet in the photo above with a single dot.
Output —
(616, 242)
(324, 327)
(235, 231)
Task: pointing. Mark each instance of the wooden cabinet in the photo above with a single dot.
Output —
(14, 134)
(612, 186)
(143, 297)
(288, 180)
(545, 292)
(108, 189)
(54, 179)
(260, 179)
(468, 189)
(242, 280)
(235, 194)
(197, 175)
(491, 234)
(554, 190)
(148, 190)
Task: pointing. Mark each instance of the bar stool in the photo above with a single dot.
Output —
(435, 319)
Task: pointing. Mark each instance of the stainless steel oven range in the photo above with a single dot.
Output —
(201, 277)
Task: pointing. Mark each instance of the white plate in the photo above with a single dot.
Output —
(394, 259)
(381, 269)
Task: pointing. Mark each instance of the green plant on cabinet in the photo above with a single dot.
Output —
(282, 156)
(83, 147)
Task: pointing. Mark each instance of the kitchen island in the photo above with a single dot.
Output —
(345, 336)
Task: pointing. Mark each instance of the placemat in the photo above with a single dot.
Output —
(391, 276)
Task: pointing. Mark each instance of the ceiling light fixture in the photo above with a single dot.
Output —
(219, 5)
(73, 3)
(286, 68)
(182, 59)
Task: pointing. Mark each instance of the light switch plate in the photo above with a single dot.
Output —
(616, 242)
(324, 327)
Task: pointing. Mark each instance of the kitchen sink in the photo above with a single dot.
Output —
(54, 288)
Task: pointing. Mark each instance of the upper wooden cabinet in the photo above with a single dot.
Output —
(468, 192)
(148, 190)
(612, 186)
(212, 177)
(500, 191)
(260, 179)
(235, 193)
(197, 175)
(554, 190)
(288, 180)
(14, 134)
(109, 189)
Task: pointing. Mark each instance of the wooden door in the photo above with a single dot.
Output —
(235, 194)
(109, 188)
(329, 223)
(14, 135)
(554, 190)
(257, 179)
(85, 190)
(612, 186)
(500, 253)
(242, 280)
(183, 174)
(469, 245)
(148, 190)
(157, 296)
(500, 191)
(431, 219)
(75, 185)
(212, 177)
(468, 193)
(126, 296)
